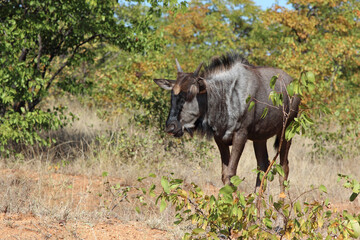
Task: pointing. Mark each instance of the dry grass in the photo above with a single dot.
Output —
(65, 182)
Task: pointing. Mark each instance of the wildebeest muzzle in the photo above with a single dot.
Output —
(174, 128)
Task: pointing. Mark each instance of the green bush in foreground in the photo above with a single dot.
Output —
(233, 215)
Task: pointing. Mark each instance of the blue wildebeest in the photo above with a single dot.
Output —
(214, 102)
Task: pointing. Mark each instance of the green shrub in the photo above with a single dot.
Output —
(234, 215)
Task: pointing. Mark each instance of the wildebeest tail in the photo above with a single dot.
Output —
(277, 143)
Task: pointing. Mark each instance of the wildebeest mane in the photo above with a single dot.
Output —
(224, 62)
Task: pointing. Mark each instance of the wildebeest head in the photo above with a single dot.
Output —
(187, 94)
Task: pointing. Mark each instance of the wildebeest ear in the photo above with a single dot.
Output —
(165, 83)
(202, 85)
(193, 91)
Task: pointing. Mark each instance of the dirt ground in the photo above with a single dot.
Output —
(54, 194)
(51, 205)
(27, 226)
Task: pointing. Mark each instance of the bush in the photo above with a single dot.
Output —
(233, 215)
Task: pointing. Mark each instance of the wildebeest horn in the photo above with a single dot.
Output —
(178, 65)
(197, 71)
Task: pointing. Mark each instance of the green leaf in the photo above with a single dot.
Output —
(353, 196)
(236, 180)
(137, 209)
(323, 188)
(175, 183)
(178, 222)
(212, 201)
(273, 81)
(198, 230)
(140, 179)
(253, 227)
(226, 190)
(279, 170)
(355, 227)
(143, 190)
(248, 99)
(263, 115)
(297, 207)
(162, 205)
(186, 236)
(292, 129)
(310, 77)
(325, 109)
(310, 86)
(290, 89)
(307, 119)
(152, 175)
(105, 174)
(356, 186)
(165, 184)
(251, 105)
(151, 190)
(278, 205)
(267, 222)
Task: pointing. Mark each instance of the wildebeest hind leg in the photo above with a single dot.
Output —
(262, 159)
(284, 162)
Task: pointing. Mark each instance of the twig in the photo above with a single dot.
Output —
(286, 116)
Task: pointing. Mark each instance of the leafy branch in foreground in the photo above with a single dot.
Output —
(352, 184)
(233, 215)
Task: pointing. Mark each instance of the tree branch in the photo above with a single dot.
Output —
(18, 105)
(40, 52)
(37, 100)
(70, 58)
(23, 54)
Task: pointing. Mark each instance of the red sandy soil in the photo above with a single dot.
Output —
(83, 195)
(27, 226)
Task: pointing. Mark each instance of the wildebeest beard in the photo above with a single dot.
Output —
(173, 123)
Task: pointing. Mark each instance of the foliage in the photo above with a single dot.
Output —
(43, 42)
(233, 215)
(352, 184)
(206, 29)
(112, 51)
(323, 38)
(60, 54)
(39, 39)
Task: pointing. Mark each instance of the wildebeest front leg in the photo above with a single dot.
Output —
(225, 155)
(229, 166)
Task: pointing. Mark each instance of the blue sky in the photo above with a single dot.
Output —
(265, 4)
